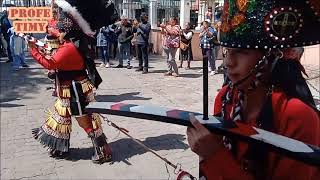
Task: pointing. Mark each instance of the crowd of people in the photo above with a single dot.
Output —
(128, 40)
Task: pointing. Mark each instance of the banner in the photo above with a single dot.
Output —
(30, 19)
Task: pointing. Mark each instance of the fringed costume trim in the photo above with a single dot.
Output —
(90, 97)
(62, 106)
(52, 142)
(96, 121)
(98, 132)
(65, 92)
(86, 86)
(61, 128)
(57, 117)
(55, 132)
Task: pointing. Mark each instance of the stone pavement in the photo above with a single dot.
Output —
(313, 81)
(25, 98)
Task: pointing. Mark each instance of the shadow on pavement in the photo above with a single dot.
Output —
(120, 97)
(124, 149)
(158, 71)
(16, 85)
(77, 154)
(196, 68)
(190, 75)
(8, 105)
(155, 58)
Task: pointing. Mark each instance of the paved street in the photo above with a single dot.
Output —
(24, 99)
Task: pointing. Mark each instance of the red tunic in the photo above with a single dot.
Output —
(292, 118)
(66, 58)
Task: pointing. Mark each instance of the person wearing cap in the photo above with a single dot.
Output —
(264, 43)
(207, 36)
(142, 31)
(103, 44)
(125, 33)
(76, 78)
(171, 43)
(113, 41)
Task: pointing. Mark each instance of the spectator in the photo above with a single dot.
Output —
(207, 45)
(17, 47)
(171, 42)
(185, 45)
(1, 44)
(133, 49)
(125, 36)
(209, 13)
(5, 25)
(217, 47)
(142, 31)
(113, 41)
(102, 44)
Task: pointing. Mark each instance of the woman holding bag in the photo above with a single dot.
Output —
(185, 45)
(170, 45)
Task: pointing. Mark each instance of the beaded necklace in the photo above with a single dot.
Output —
(236, 114)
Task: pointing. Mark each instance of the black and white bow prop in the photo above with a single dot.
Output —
(287, 146)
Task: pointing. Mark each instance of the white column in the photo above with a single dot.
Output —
(153, 14)
(185, 7)
(133, 13)
(213, 5)
(125, 5)
(201, 13)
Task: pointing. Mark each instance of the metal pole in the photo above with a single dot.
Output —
(205, 87)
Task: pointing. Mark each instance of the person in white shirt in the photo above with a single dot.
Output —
(185, 45)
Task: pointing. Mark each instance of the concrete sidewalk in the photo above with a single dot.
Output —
(24, 98)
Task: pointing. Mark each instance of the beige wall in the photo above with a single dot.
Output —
(311, 55)
(156, 40)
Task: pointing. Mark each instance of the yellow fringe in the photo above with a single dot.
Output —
(86, 86)
(62, 128)
(96, 122)
(66, 92)
(62, 111)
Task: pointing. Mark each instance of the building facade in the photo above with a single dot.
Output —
(25, 3)
(193, 11)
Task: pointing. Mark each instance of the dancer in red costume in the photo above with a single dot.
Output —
(75, 86)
